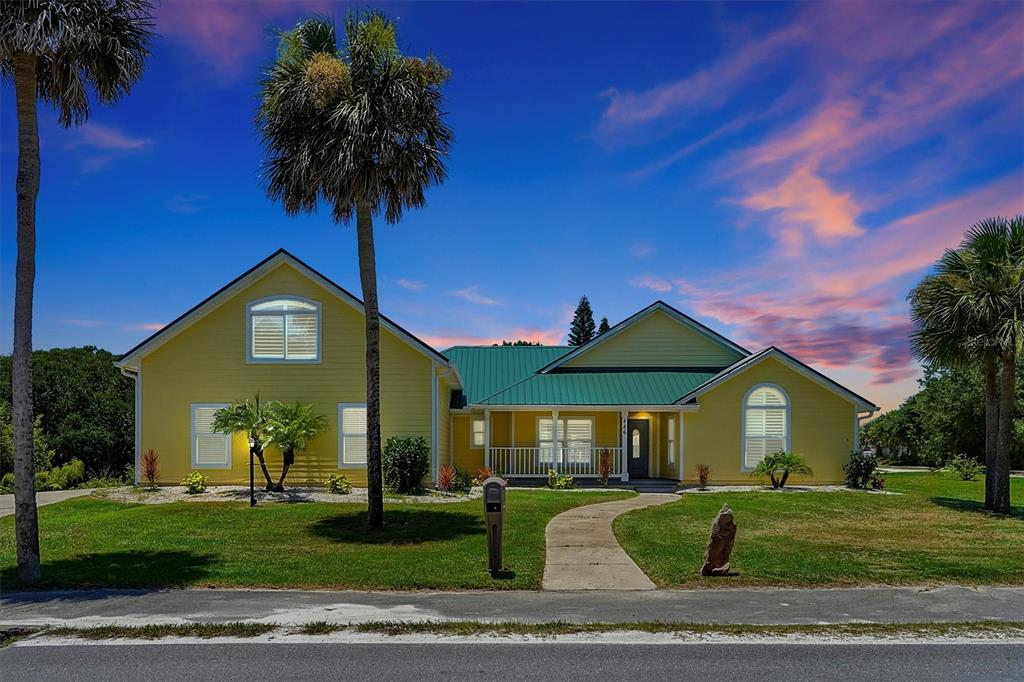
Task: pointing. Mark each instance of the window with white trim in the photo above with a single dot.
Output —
(210, 450)
(671, 440)
(765, 424)
(283, 330)
(576, 434)
(476, 433)
(352, 443)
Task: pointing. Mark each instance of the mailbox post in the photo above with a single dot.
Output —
(494, 514)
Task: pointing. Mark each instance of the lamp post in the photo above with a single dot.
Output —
(252, 482)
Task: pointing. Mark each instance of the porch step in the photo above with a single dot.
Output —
(640, 485)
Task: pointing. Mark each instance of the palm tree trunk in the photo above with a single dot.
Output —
(1007, 405)
(289, 457)
(26, 519)
(991, 427)
(258, 451)
(368, 280)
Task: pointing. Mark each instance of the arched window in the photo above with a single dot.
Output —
(765, 423)
(283, 330)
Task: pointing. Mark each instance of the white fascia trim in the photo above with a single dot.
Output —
(271, 264)
(760, 356)
(581, 408)
(434, 457)
(637, 317)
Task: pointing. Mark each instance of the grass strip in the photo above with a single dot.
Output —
(202, 630)
(469, 628)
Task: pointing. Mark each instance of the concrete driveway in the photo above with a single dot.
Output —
(42, 498)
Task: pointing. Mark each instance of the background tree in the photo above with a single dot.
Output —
(362, 129)
(252, 419)
(603, 327)
(290, 426)
(54, 51)
(582, 328)
(518, 342)
(971, 312)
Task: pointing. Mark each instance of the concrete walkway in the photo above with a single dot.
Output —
(88, 608)
(583, 554)
(42, 498)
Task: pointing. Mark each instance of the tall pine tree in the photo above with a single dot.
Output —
(603, 327)
(582, 328)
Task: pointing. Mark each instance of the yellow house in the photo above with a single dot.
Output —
(651, 398)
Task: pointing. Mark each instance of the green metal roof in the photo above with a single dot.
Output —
(600, 388)
(485, 370)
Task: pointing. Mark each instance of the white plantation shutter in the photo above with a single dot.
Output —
(353, 434)
(544, 435)
(575, 434)
(284, 329)
(476, 438)
(267, 336)
(671, 440)
(209, 449)
(765, 424)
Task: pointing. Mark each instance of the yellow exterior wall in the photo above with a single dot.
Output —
(821, 426)
(206, 363)
(656, 341)
(464, 458)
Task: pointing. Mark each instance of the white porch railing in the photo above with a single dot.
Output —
(536, 462)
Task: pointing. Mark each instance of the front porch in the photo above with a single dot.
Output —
(621, 444)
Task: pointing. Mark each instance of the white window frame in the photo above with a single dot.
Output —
(562, 429)
(672, 441)
(744, 409)
(249, 313)
(342, 464)
(228, 437)
(473, 421)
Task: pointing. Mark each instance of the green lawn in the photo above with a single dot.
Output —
(90, 542)
(935, 532)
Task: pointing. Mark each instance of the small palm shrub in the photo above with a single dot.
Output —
(877, 482)
(703, 475)
(964, 468)
(338, 484)
(195, 483)
(482, 474)
(7, 483)
(150, 466)
(64, 477)
(405, 462)
(778, 466)
(860, 469)
(462, 480)
(447, 479)
(605, 466)
(558, 482)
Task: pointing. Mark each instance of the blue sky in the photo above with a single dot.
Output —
(785, 173)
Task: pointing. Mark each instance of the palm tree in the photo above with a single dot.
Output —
(362, 129)
(290, 427)
(54, 51)
(777, 467)
(249, 418)
(971, 311)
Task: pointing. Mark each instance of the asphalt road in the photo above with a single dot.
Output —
(508, 661)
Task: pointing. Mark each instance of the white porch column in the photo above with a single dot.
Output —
(623, 445)
(487, 438)
(682, 470)
(555, 452)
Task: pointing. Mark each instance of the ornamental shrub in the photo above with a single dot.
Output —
(557, 482)
(482, 474)
(860, 469)
(778, 466)
(703, 475)
(195, 483)
(447, 479)
(406, 461)
(7, 483)
(64, 477)
(964, 468)
(338, 484)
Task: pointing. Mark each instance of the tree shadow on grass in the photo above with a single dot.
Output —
(401, 527)
(959, 504)
(120, 569)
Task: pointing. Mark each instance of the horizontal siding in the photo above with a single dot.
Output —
(656, 341)
(821, 425)
(206, 363)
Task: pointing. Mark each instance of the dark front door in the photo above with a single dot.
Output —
(638, 438)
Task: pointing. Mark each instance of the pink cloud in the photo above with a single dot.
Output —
(473, 295)
(104, 137)
(227, 37)
(652, 283)
(147, 326)
(78, 322)
(411, 284)
(641, 249)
